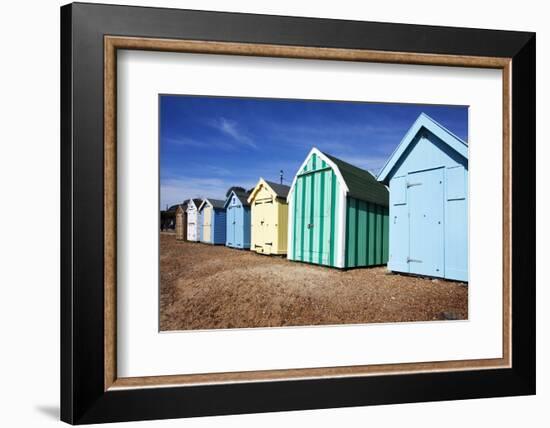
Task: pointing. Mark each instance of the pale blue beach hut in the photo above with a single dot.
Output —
(428, 179)
(212, 214)
(237, 220)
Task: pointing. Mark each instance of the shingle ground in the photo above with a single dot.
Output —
(211, 287)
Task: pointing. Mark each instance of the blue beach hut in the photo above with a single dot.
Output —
(428, 179)
(238, 220)
(212, 214)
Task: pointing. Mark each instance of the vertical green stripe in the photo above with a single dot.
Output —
(305, 192)
(295, 196)
(332, 212)
(367, 234)
(351, 226)
(296, 217)
(366, 215)
(350, 245)
(321, 215)
(381, 234)
(381, 210)
(337, 214)
(370, 221)
(351, 233)
(373, 234)
(326, 215)
(356, 235)
(311, 213)
(362, 234)
(303, 220)
(376, 237)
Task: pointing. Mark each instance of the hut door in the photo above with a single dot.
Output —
(230, 226)
(299, 219)
(238, 228)
(192, 228)
(264, 225)
(426, 222)
(320, 242)
(207, 225)
(268, 233)
(399, 225)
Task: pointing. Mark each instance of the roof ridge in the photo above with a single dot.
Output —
(350, 165)
(444, 128)
(423, 121)
(242, 196)
(361, 183)
(277, 184)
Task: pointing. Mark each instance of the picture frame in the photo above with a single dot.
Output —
(91, 391)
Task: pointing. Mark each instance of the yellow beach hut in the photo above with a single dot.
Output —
(269, 217)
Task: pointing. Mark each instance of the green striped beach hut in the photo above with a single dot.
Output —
(338, 214)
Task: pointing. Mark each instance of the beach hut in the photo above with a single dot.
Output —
(269, 217)
(237, 220)
(181, 221)
(428, 178)
(338, 214)
(212, 213)
(193, 232)
(200, 221)
(168, 218)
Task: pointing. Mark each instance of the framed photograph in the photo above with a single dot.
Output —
(266, 213)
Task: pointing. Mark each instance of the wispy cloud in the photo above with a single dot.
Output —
(338, 137)
(218, 170)
(232, 129)
(184, 141)
(194, 143)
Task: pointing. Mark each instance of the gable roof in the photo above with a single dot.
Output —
(358, 183)
(241, 196)
(197, 202)
(361, 183)
(423, 122)
(214, 203)
(182, 206)
(280, 190)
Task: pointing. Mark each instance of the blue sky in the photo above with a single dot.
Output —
(208, 144)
